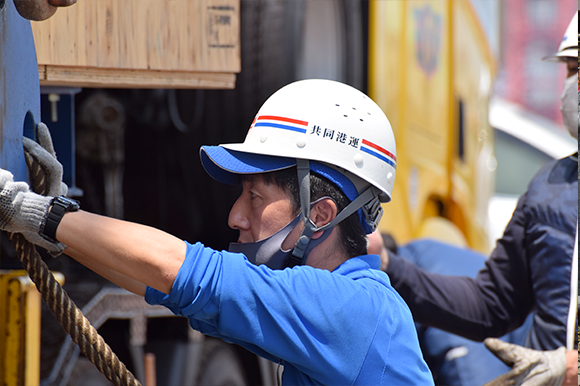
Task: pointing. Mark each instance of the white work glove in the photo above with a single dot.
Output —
(529, 367)
(23, 211)
(43, 153)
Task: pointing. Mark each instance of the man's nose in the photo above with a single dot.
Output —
(238, 218)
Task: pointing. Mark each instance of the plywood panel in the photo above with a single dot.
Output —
(123, 78)
(151, 35)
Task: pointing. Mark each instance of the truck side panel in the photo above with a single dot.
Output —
(437, 104)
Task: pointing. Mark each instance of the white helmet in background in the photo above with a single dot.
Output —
(569, 44)
(567, 51)
(322, 126)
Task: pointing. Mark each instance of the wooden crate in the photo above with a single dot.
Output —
(140, 44)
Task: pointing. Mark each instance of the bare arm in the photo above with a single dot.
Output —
(571, 368)
(376, 246)
(121, 280)
(118, 249)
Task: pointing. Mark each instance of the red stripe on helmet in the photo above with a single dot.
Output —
(377, 147)
(289, 120)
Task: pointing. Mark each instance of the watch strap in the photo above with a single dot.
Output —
(60, 205)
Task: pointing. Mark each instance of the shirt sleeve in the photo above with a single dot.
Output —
(296, 314)
(196, 280)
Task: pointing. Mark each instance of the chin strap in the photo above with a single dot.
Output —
(369, 199)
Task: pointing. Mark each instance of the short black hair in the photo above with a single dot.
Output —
(351, 234)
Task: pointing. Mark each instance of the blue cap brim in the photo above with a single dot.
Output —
(226, 165)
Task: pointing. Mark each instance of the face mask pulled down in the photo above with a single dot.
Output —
(569, 107)
(269, 251)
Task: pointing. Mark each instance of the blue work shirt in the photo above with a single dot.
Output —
(346, 327)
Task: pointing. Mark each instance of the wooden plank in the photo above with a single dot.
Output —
(108, 36)
(159, 35)
(159, 45)
(88, 19)
(75, 76)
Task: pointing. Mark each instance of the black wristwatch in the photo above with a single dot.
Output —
(60, 206)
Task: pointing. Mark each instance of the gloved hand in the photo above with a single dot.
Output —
(23, 211)
(529, 367)
(43, 155)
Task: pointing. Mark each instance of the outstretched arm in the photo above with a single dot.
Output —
(144, 254)
(119, 249)
(119, 279)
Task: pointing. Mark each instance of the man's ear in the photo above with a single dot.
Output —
(323, 212)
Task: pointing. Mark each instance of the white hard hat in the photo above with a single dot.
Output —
(569, 45)
(338, 127)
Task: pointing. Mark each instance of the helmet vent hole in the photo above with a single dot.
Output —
(346, 116)
(361, 120)
(337, 105)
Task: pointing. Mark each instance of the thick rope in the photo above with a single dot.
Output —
(66, 311)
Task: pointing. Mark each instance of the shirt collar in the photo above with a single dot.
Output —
(359, 263)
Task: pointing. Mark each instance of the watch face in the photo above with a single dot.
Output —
(68, 203)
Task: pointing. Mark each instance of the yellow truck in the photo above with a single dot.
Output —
(131, 89)
(430, 69)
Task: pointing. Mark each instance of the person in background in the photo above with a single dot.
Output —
(453, 360)
(532, 270)
(298, 286)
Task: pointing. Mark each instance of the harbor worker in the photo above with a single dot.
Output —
(298, 286)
